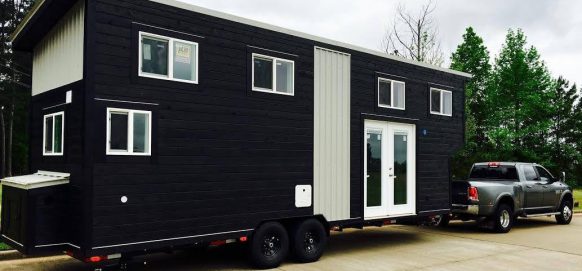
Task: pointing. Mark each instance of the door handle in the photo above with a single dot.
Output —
(528, 186)
(545, 186)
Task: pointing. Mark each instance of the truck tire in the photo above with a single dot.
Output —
(269, 245)
(503, 219)
(308, 240)
(565, 216)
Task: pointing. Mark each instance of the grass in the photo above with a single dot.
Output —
(578, 198)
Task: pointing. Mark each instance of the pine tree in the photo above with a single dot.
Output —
(473, 57)
(519, 107)
(14, 90)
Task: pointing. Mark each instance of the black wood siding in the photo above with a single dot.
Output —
(225, 158)
(71, 161)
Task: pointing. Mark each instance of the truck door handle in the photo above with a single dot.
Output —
(545, 186)
(528, 186)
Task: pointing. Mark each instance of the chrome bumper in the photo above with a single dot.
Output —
(465, 209)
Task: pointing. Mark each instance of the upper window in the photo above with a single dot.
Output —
(53, 131)
(441, 102)
(128, 132)
(168, 58)
(529, 173)
(273, 75)
(391, 94)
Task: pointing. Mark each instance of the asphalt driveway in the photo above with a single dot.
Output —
(534, 244)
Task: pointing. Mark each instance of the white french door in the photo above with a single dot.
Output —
(389, 169)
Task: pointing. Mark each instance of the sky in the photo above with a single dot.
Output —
(554, 27)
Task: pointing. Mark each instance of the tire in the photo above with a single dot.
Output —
(308, 240)
(442, 220)
(503, 219)
(269, 246)
(566, 213)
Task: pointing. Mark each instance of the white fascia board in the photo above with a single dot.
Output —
(234, 18)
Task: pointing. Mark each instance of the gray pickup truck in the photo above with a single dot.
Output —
(502, 191)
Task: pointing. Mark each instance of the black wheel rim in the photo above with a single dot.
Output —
(271, 244)
(310, 242)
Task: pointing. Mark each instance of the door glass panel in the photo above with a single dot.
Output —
(374, 162)
(400, 167)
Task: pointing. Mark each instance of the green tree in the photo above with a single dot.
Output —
(14, 90)
(519, 113)
(473, 57)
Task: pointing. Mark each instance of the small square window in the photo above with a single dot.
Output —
(168, 58)
(128, 132)
(273, 75)
(53, 132)
(391, 94)
(441, 102)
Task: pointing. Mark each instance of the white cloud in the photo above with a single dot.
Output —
(553, 27)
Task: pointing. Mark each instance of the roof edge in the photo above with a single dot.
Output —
(234, 18)
(37, 5)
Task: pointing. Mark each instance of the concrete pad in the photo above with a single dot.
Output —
(535, 244)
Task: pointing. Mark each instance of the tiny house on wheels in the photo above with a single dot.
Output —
(158, 125)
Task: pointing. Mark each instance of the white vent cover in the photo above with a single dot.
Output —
(303, 196)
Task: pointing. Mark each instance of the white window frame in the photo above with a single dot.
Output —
(391, 106)
(130, 113)
(441, 91)
(274, 90)
(53, 115)
(170, 75)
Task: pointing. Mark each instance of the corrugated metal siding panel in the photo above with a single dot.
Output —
(331, 169)
(58, 58)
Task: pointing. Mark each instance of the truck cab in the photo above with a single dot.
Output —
(502, 191)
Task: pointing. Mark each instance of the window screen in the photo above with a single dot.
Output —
(284, 76)
(119, 128)
(154, 56)
(185, 61)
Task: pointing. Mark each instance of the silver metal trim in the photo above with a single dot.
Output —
(61, 244)
(50, 107)
(120, 101)
(273, 51)
(386, 116)
(12, 240)
(169, 239)
(166, 29)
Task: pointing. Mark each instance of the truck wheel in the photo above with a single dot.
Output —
(565, 216)
(503, 219)
(309, 239)
(269, 245)
(442, 220)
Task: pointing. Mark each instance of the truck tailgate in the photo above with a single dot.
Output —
(459, 192)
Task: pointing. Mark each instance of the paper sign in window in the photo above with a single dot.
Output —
(183, 53)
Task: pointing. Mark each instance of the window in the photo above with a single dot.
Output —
(168, 58)
(128, 132)
(529, 173)
(441, 102)
(391, 94)
(494, 173)
(273, 75)
(53, 131)
(544, 173)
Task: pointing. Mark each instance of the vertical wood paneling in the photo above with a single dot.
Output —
(58, 58)
(331, 169)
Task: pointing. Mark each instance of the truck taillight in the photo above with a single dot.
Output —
(473, 193)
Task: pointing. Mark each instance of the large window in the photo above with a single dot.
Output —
(391, 94)
(128, 132)
(53, 131)
(441, 102)
(273, 75)
(168, 58)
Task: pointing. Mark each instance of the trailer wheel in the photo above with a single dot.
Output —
(309, 239)
(269, 245)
